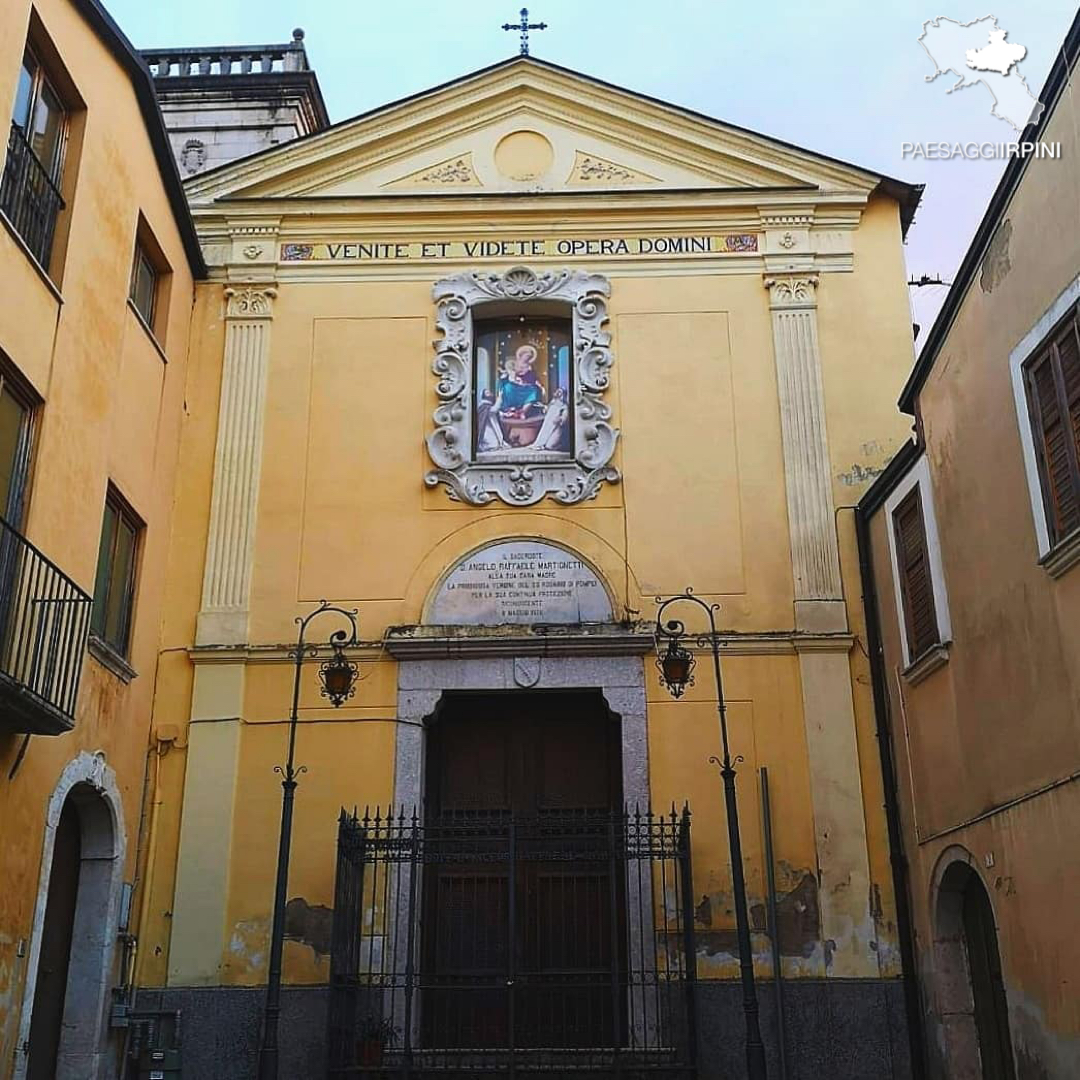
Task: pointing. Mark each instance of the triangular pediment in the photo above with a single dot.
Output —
(526, 126)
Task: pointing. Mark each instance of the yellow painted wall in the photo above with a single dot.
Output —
(112, 410)
(343, 513)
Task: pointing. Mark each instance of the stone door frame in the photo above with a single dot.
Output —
(422, 682)
(92, 783)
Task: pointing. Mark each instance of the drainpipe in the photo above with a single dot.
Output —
(897, 858)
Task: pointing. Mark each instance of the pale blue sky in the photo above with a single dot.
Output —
(842, 77)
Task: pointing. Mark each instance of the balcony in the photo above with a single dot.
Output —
(44, 623)
(29, 198)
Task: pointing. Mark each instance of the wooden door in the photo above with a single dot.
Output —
(524, 906)
(56, 938)
(987, 984)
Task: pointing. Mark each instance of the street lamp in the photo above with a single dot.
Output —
(338, 683)
(677, 673)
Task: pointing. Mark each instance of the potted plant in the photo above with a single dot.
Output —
(374, 1034)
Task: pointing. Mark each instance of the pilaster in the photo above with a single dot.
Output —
(815, 560)
(843, 860)
(237, 462)
(200, 903)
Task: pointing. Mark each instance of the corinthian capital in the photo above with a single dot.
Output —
(792, 290)
(249, 301)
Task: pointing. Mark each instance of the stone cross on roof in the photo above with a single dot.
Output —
(524, 27)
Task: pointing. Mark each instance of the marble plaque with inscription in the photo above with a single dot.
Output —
(520, 581)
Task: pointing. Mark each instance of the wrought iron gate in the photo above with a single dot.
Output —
(484, 945)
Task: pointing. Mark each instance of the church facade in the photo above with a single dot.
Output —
(497, 366)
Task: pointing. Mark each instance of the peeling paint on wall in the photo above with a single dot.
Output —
(798, 925)
(995, 264)
(246, 952)
(1041, 1054)
(309, 924)
(797, 921)
(859, 474)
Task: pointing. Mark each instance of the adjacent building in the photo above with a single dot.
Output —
(98, 260)
(495, 366)
(971, 543)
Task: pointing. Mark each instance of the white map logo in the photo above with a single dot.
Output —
(980, 46)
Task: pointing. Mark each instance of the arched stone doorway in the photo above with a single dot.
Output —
(72, 948)
(972, 1005)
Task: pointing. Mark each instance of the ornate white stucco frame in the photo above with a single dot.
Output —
(523, 481)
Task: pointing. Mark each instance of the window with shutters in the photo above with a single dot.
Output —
(915, 551)
(1052, 383)
(916, 579)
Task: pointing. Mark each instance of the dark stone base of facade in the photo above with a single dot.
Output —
(219, 1030)
(835, 1029)
(852, 1029)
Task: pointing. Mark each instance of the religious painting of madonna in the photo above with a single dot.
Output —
(524, 390)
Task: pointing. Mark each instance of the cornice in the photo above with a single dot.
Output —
(228, 230)
(415, 642)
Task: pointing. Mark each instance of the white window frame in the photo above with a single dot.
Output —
(920, 475)
(1023, 352)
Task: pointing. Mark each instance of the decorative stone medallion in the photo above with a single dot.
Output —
(519, 582)
(484, 445)
(193, 156)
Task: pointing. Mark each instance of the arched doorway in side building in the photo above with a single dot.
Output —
(971, 986)
(75, 927)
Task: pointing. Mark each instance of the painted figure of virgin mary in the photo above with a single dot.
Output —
(516, 403)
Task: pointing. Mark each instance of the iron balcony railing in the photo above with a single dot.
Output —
(29, 197)
(44, 624)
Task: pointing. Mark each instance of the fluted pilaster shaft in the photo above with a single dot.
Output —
(237, 461)
(815, 557)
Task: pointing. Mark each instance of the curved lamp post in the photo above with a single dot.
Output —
(676, 666)
(338, 678)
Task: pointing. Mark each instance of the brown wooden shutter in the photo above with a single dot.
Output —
(1069, 358)
(1053, 383)
(916, 586)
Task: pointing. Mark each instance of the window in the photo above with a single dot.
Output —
(114, 585)
(16, 432)
(922, 606)
(1052, 382)
(30, 190)
(148, 292)
(144, 285)
(913, 565)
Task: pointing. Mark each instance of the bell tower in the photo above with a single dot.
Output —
(225, 102)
